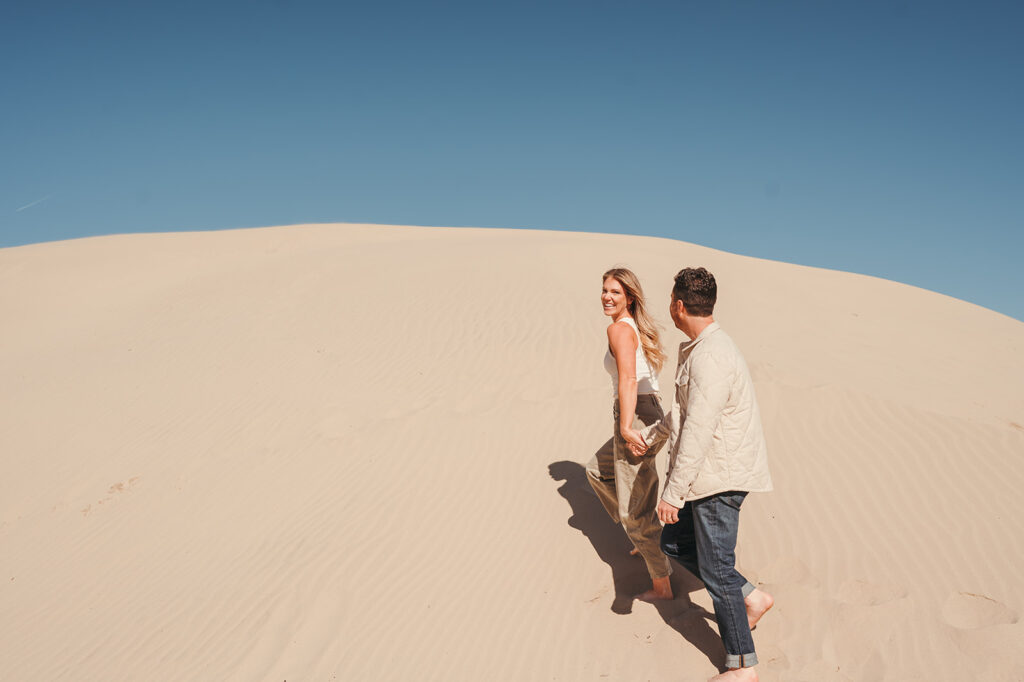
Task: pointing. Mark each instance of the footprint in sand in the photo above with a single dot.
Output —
(122, 486)
(112, 492)
(969, 611)
(863, 593)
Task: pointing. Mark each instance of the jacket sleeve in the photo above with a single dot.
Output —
(707, 395)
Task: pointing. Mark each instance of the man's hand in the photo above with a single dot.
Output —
(637, 452)
(667, 513)
(635, 441)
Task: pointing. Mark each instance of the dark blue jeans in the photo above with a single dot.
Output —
(704, 542)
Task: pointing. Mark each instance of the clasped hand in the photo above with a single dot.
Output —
(635, 441)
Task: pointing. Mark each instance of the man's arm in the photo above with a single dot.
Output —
(707, 394)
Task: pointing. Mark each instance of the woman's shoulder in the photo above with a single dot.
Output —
(621, 326)
(621, 331)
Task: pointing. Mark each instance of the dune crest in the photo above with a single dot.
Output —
(352, 452)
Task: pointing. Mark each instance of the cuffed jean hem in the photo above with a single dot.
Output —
(740, 660)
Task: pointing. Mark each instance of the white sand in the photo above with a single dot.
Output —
(326, 453)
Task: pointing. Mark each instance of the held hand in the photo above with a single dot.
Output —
(667, 513)
(635, 441)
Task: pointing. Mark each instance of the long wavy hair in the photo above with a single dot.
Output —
(649, 337)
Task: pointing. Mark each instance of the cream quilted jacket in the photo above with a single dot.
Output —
(715, 441)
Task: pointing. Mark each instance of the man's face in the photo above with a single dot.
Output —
(675, 311)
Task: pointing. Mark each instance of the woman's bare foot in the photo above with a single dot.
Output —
(736, 675)
(757, 602)
(662, 590)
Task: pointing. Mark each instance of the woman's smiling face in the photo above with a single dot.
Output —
(613, 297)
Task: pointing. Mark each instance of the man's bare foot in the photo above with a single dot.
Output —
(757, 602)
(634, 552)
(736, 675)
(662, 590)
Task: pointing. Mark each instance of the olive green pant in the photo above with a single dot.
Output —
(628, 487)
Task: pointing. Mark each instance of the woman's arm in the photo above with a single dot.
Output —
(623, 343)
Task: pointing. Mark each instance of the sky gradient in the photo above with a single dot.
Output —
(884, 138)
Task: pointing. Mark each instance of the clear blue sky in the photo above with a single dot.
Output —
(885, 138)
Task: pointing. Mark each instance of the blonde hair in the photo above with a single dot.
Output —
(649, 338)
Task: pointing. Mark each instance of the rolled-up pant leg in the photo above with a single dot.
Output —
(628, 488)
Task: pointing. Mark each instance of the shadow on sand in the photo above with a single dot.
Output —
(629, 574)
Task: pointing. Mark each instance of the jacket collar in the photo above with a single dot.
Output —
(708, 331)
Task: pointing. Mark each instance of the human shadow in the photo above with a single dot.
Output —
(629, 573)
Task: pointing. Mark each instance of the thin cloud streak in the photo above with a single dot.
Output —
(37, 201)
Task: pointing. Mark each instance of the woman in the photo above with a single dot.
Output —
(627, 485)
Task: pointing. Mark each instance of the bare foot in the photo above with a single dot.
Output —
(662, 590)
(757, 602)
(736, 675)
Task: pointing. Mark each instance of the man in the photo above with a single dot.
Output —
(717, 454)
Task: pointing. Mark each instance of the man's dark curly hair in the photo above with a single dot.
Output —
(697, 289)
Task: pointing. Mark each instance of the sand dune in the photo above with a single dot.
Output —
(352, 452)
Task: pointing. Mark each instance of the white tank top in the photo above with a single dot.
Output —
(646, 379)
